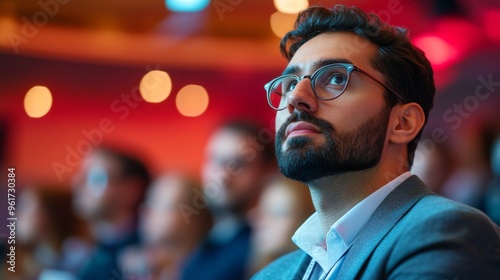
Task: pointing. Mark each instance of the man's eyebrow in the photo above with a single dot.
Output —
(291, 70)
(294, 69)
(322, 62)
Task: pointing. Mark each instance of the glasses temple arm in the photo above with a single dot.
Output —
(380, 83)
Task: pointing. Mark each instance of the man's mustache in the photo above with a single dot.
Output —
(323, 125)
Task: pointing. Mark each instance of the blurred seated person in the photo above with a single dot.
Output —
(173, 219)
(46, 234)
(433, 163)
(238, 159)
(108, 189)
(284, 205)
(467, 183)
(491, 199)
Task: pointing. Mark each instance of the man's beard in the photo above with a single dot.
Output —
(358, 149)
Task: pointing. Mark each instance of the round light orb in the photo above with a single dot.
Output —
(281, 23)
(192, 100)
(291, 6)
(155, 86)
(37, 101)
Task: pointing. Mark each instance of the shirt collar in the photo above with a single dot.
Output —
(326, 250)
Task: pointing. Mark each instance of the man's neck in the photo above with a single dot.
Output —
(335, 195)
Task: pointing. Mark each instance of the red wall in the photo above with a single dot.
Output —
(85, 95)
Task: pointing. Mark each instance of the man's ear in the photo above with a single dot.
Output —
(406, 122)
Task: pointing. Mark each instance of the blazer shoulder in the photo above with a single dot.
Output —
(416, 234)
(288, 266)
(433, 207)
(442, 235)
(439, 215)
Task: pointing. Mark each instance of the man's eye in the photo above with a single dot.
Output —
(337, 79)
(289, 86)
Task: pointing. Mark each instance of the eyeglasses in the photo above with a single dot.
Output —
(328, 82)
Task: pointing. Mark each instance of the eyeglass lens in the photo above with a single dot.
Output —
(328, 83)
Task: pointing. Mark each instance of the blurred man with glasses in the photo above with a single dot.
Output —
(237, 164)
(351, 106)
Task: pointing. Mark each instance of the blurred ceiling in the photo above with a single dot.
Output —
(228, 33)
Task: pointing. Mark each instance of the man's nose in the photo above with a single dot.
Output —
(302, 97)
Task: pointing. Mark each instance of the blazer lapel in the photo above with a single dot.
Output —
(300, 270)
(390, 211)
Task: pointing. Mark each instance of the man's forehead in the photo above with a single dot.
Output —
(313, 65)
(343, 47)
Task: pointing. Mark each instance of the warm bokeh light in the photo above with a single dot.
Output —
(155, 86)
(7, 26)
(186, 6)
(281, 23)
(291, 6)
(37, 101)
(437, 50)
(192, 100)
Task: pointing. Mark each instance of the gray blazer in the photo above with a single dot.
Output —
(413, 234)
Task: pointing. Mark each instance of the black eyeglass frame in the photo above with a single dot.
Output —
(350, 68)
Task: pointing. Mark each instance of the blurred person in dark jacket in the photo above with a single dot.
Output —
(173, 219)
(238, 159)
(109, 188)
(491, 199)
(48, 234)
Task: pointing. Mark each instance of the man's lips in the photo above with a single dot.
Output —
(301, 128)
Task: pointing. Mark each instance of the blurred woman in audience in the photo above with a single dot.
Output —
(173, 219)
(283, 207)
(45, 224)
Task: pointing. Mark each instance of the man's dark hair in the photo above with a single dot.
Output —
(405, 68)
(130, 167)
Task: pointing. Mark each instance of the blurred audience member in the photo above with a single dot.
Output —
(238, 158)
(109, 187)
(174, 218)
(433, 163)
(491, 203)
(46, 231)
(468, 181)
(283, 207)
